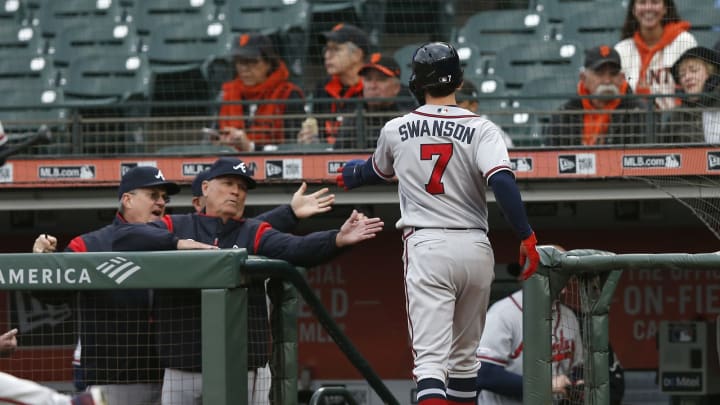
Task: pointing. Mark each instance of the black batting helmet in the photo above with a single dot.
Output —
(435, 65)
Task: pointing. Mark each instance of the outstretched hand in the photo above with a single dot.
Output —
(8, 342)
(45, 244)
(305, 206)
(358, 228)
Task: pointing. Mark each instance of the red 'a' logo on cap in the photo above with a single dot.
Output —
(375, 58)
(604, 51)
(244, 39)
(338, 27)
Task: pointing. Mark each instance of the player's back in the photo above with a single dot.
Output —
(442, 156)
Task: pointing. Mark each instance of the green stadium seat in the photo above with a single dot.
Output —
(100, 79)
(18, 39)
(24, 107)
(521, 63)
(595, 27)
(558, 11)
(150, 14)
(494, 30)
(706, 38)
(30, 70)
(79, 40)
(56, 16)
(176, 47)
(552, 92)
(704, 20)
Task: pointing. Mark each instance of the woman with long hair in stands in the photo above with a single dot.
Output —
(653, 37)
(697, 71)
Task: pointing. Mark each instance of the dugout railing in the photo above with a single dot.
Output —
(597, 274)
(222, 277)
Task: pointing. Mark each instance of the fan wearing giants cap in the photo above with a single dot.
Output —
(444, 157)
(381, 80)
(346, 50)
(261, 75)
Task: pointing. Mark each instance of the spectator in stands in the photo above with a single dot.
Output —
(381, 79)
(261, 76)
(467, 98)
(698, 73)
(346, 49)
(15, 390)
(653, 37)
(500, 351)
(598, 121)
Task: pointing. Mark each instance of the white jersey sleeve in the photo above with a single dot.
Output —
(501, 341)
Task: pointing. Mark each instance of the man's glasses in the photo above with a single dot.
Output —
(155, 196)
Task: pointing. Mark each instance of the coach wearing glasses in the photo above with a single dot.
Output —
(261, 76)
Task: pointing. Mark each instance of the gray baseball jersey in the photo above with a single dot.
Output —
(502, 342)
(446, 155)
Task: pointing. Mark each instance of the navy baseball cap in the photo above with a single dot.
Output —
(228, 166)
(342, 33)
(197, 183)
(145, 177)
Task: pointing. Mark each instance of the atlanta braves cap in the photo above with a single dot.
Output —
(384, 64)
(600, 55)
(197, 183)
(227, 166)
(342, 33)
(145, 177)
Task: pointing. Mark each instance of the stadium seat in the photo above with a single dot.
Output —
(521, 63)
(550, 92)
(23, 108)
(494, 30)
(79, 40)
(11, 11)
(288, 23)
(20, 39)
(704, 20)
(56, 16)
(595, 27)
(558, 11)
(28, 69)
(176, 47)
(100, 79)
(151, 14)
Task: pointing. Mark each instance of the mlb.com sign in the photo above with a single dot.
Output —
(117, 269)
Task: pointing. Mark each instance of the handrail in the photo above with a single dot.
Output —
(262, 268)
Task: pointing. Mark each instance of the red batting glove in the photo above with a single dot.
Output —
(339, 179)
(529, 254)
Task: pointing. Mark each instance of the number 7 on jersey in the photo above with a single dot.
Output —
(444, 152)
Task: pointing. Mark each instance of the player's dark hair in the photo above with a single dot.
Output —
(632, 24)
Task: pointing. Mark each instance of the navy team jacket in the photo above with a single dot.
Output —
(116, 328)
(178, 311)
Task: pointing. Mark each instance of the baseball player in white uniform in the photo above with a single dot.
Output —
(18, 391)
(501, 349)
(443, 155)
